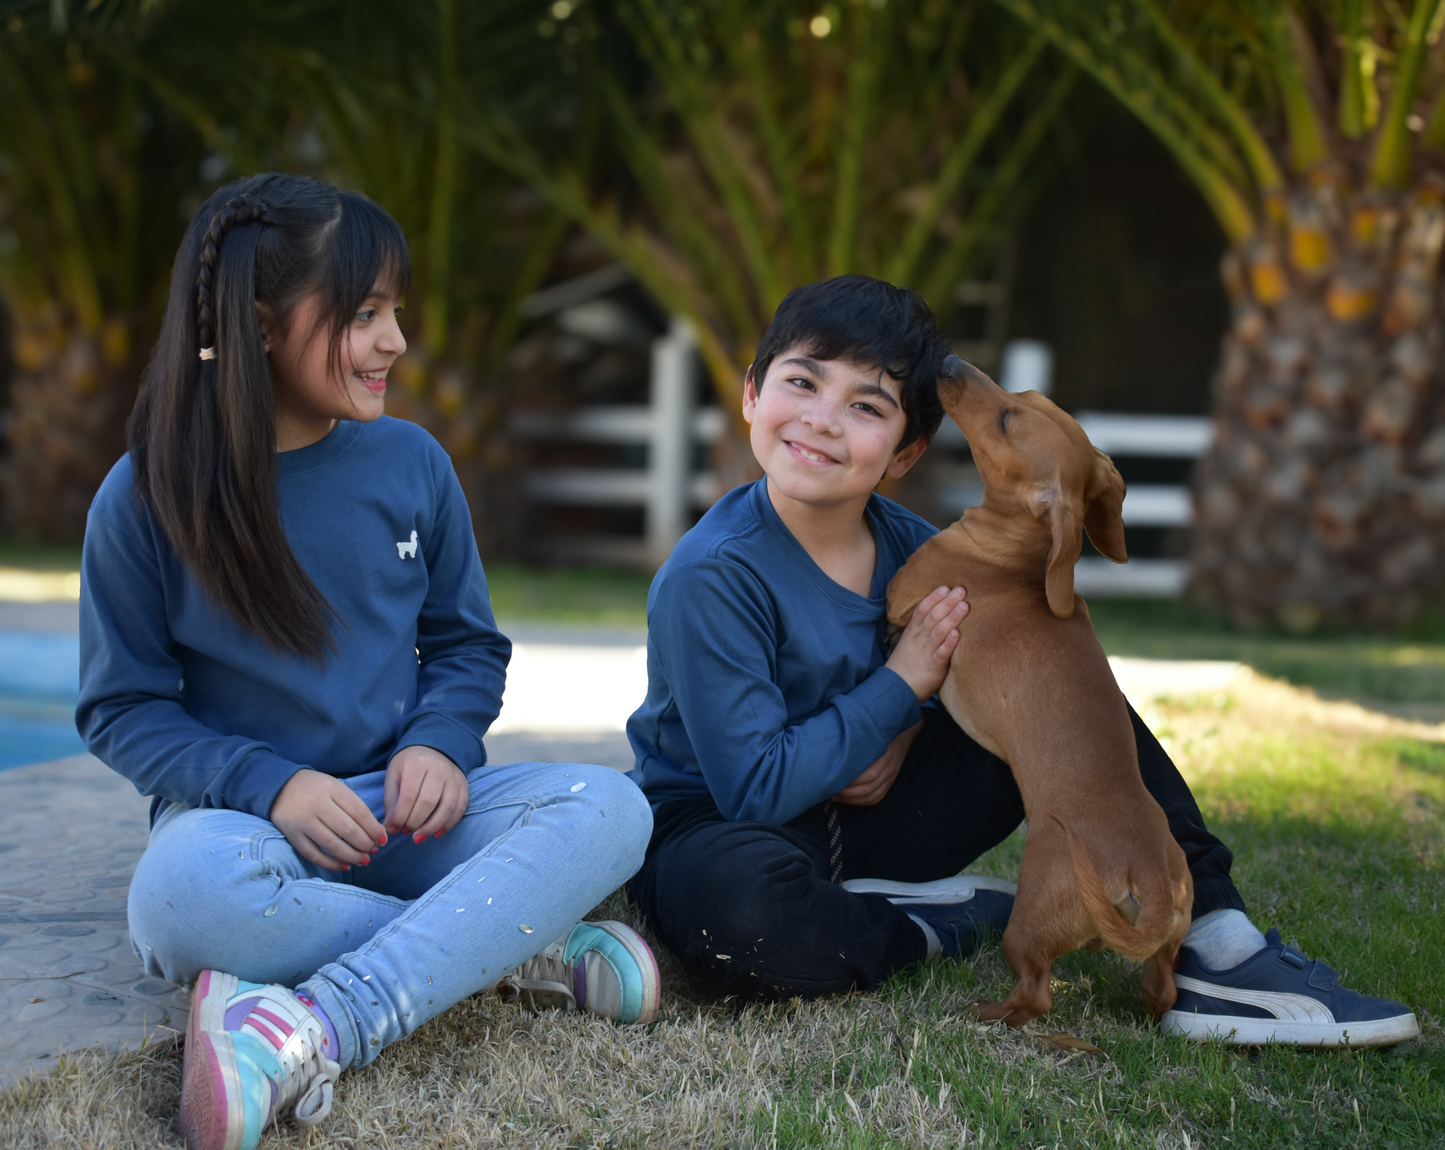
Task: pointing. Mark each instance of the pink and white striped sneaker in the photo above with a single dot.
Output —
(253, 1054)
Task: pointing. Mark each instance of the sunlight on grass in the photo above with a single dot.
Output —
(1408, 668)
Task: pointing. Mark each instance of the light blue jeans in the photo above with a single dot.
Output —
(386, 946)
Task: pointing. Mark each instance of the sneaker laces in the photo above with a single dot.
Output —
(545, 974)
(307, 1075)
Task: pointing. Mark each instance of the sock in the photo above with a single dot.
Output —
(1224, 938)
(333, 1044)
(935, 944)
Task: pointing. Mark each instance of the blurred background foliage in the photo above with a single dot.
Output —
(757, 147)
(724, 152)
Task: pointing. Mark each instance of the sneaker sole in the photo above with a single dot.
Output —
(204, 1068)
(646, 963)
(1236, 1031)
(960, 888)
(212, 1116)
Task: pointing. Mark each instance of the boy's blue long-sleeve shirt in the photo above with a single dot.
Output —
(191, 707)
(766, 687)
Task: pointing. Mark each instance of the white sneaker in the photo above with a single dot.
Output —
(959, 888)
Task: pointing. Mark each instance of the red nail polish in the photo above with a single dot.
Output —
(440, 833)
(363, 862)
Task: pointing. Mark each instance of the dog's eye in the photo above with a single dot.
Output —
(1003, 421)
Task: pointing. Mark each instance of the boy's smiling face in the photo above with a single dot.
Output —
(827, 430)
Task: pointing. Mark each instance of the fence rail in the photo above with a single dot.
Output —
(1122, 436)
(667, 488)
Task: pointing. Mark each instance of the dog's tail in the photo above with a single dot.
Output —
(1156, 915)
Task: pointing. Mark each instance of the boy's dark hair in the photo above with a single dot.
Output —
(867, 321)
(203, 432)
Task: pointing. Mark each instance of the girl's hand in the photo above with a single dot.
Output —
(926, 644)
(325, 822)
(426, 793)
(870, 787)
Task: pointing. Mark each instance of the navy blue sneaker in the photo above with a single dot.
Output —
(1278, 995)
(962, 910)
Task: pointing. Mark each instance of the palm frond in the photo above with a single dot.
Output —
(1390, 164)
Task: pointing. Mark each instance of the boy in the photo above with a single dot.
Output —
(812, 805)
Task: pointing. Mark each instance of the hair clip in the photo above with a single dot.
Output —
(208, 353)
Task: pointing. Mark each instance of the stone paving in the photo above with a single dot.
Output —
(70, 835)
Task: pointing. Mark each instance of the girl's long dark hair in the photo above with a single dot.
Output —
(203, 432)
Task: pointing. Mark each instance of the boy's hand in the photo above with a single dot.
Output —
(870, 787)
(426, 793)
(325, 822)
(926, 644)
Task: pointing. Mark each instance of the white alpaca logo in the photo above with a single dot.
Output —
(407, 550)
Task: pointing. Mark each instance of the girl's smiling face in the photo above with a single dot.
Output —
(312, 392)
(826, 431)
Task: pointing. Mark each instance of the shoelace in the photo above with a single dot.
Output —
(544, 973)
(307, 1081)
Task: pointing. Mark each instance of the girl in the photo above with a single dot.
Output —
(286, 640)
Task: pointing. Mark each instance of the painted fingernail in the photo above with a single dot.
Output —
(418, 839)
(363, 862)
(440, 833)
(381, 842)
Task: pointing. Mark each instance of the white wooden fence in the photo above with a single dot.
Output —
(668, 490)
(670, 426)
(1145, 504)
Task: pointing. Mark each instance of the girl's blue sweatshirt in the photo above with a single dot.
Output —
(766, 688)
(192, 708)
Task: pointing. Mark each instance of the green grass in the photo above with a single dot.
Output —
(1408, 667)
(569, 595)
(1339, 842)
(39, 556)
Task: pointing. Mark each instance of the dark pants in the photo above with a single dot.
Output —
(750, 909)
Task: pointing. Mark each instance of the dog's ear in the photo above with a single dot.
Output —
(1068, 540)
(1104, 509)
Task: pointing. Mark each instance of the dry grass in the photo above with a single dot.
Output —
(1314, 796)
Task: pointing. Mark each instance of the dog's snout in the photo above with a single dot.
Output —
(956, 372)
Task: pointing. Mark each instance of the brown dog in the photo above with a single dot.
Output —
(1030, 683)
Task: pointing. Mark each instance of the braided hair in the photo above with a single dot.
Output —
(203, 432)
(238, 210)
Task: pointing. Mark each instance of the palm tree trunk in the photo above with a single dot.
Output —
(1322, 500)
(69, 399)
